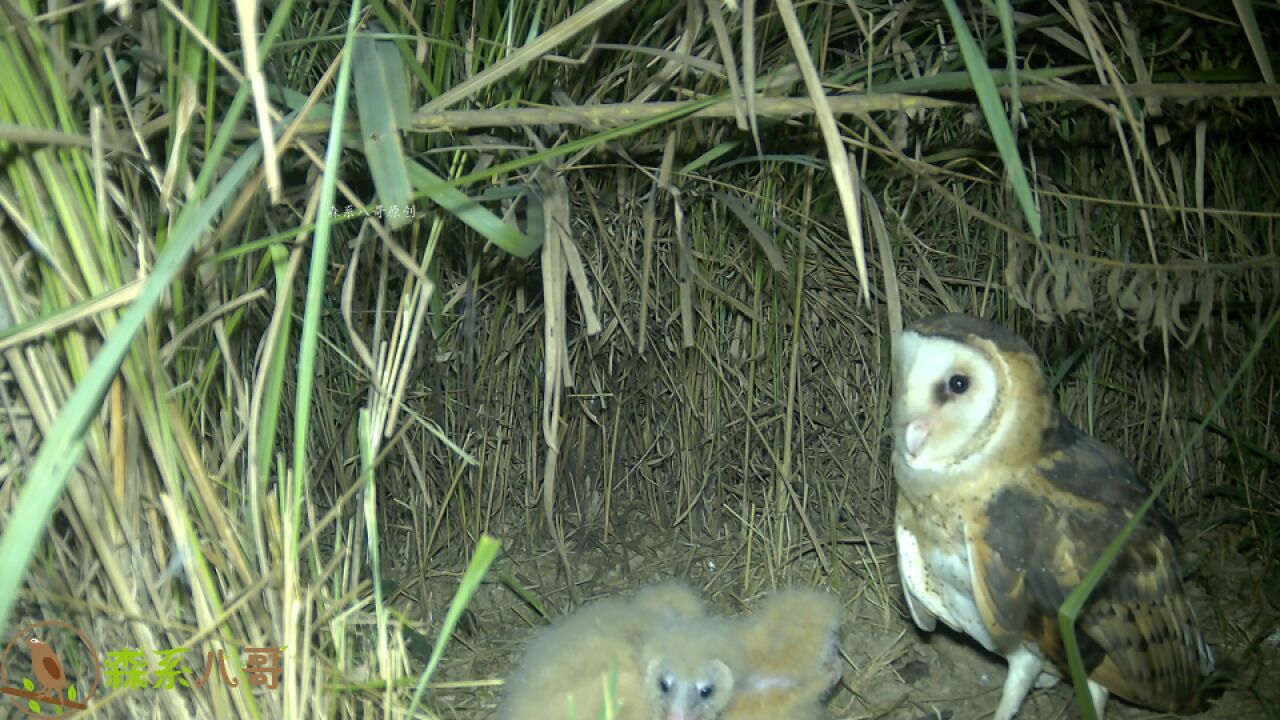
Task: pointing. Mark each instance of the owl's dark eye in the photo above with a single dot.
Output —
(705, 691)
(958, 384)
(664, 684)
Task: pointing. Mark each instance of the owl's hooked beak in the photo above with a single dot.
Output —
(914, 438)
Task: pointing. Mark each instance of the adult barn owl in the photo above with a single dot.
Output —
(1003, 505)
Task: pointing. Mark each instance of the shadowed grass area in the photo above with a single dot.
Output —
(633, 319)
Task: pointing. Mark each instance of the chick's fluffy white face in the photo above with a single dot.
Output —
(688, 689)
(944, 399)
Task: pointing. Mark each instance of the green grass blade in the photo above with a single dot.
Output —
(317, 275)
(993, 111)
(1009, 33)
(486, 552)
(753, 228)
(709, 156)
(1249, 21)
(382, 108)
(1074, 357)
(522, 592)
(471, 213)
(368, 441)
(49, 323)
(275, 363)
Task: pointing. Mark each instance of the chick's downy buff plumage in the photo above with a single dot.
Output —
(790, 656)
(1003, 505)
(615, 652)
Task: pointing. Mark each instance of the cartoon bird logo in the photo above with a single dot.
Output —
(47, 668)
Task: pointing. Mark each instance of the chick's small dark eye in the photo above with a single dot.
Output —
(958, 384)
(705, 691)
(664, 684)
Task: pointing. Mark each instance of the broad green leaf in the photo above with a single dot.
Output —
(382, 108)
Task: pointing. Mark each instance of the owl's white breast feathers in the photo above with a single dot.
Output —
(941, 582)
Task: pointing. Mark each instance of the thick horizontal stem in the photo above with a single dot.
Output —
(615, 114)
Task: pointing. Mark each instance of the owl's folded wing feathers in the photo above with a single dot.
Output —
(1036, 541)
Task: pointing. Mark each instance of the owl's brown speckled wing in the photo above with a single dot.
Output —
(1037, 538)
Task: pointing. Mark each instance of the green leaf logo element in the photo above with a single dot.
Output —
(71, 692)
(30, 686)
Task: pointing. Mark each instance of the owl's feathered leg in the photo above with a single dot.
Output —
(1097, 693)
(1024, 668)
